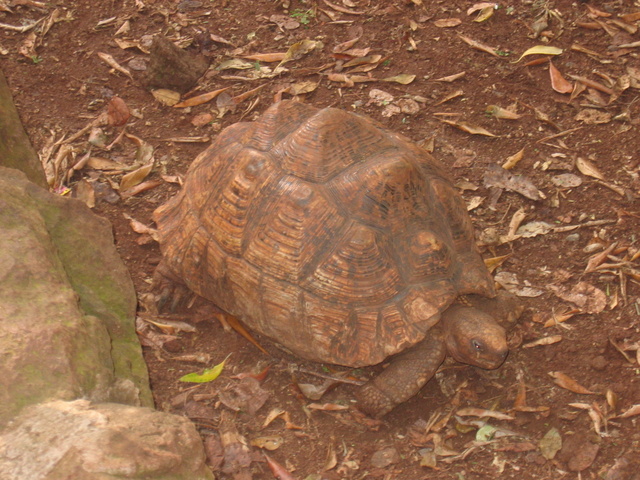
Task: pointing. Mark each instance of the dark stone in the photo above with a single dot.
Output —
(172, 68)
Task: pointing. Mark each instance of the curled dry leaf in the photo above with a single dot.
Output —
(109, 60)
(278, 470)
(485, 14)
(565, 381)
(587, 168)
(166, 97)
(496, 176)
(235, 64)
(502, 113)
(540, 50)
(591, 116)
(451, 78)
(301, 88)
(117, 112)
(403, 79)
(299, 50)
(550, 340)
(588, 298)
(338, 8)
(266, 57)
(469, 128)
(566, 180)
(479, 46)
(271, 442)
(513, 160)
(630, 412)
(134, 178)
(200, 99)
(550, 444)
(558, 82)
(447, 22)
(481, 412)
(327, 407)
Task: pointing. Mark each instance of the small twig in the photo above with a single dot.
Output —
(593, 223)
(23, 28)
(331, 377)
(561, 134)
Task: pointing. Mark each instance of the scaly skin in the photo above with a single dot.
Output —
(470, 335)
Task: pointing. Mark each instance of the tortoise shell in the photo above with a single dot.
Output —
(320, 229)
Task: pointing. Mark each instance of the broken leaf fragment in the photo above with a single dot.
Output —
(540, 50)
(503, 113)
(271, 442)
(208, 375)
(550, 444)
(166, 97)
(299, 50)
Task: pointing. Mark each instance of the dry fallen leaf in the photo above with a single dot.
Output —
(502, 113)
(558, 82)
(496, 176)
(299, 50)
(568, 383)
(588, 298)
(134, 178)
(278, 470)
(447, 22)
(266, 57)
(327, 407)
(479, 46)
(271, 442)
(513, 160)
(630, 412)
(200, 99)
(481, 412)
(469, 128)
(540, 50)
(117, 112)
(403, 79)
(587, 168)
(550, 340)
(166, 97)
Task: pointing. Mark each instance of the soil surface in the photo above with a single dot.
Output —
(556, 408)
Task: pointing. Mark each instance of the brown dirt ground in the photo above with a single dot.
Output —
(65, 85)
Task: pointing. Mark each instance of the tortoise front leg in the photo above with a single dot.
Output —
(407, 373)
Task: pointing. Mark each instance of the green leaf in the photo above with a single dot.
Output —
(208, 375)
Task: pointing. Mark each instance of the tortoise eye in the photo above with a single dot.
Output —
(476, 344)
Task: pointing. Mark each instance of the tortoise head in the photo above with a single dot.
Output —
(474, 337)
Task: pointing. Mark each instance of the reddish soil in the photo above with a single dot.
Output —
(63, 84)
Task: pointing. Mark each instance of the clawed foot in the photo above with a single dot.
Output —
(168, 290)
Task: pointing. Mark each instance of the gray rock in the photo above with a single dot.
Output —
(87, 441)
(67, 304)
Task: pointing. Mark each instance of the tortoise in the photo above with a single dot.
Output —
(339, 240)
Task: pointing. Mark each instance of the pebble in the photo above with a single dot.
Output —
(599, 363)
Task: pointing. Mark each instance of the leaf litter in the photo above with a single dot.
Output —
(546, 227)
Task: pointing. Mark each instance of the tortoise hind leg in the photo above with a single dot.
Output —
(407, 373)
(167, 288)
